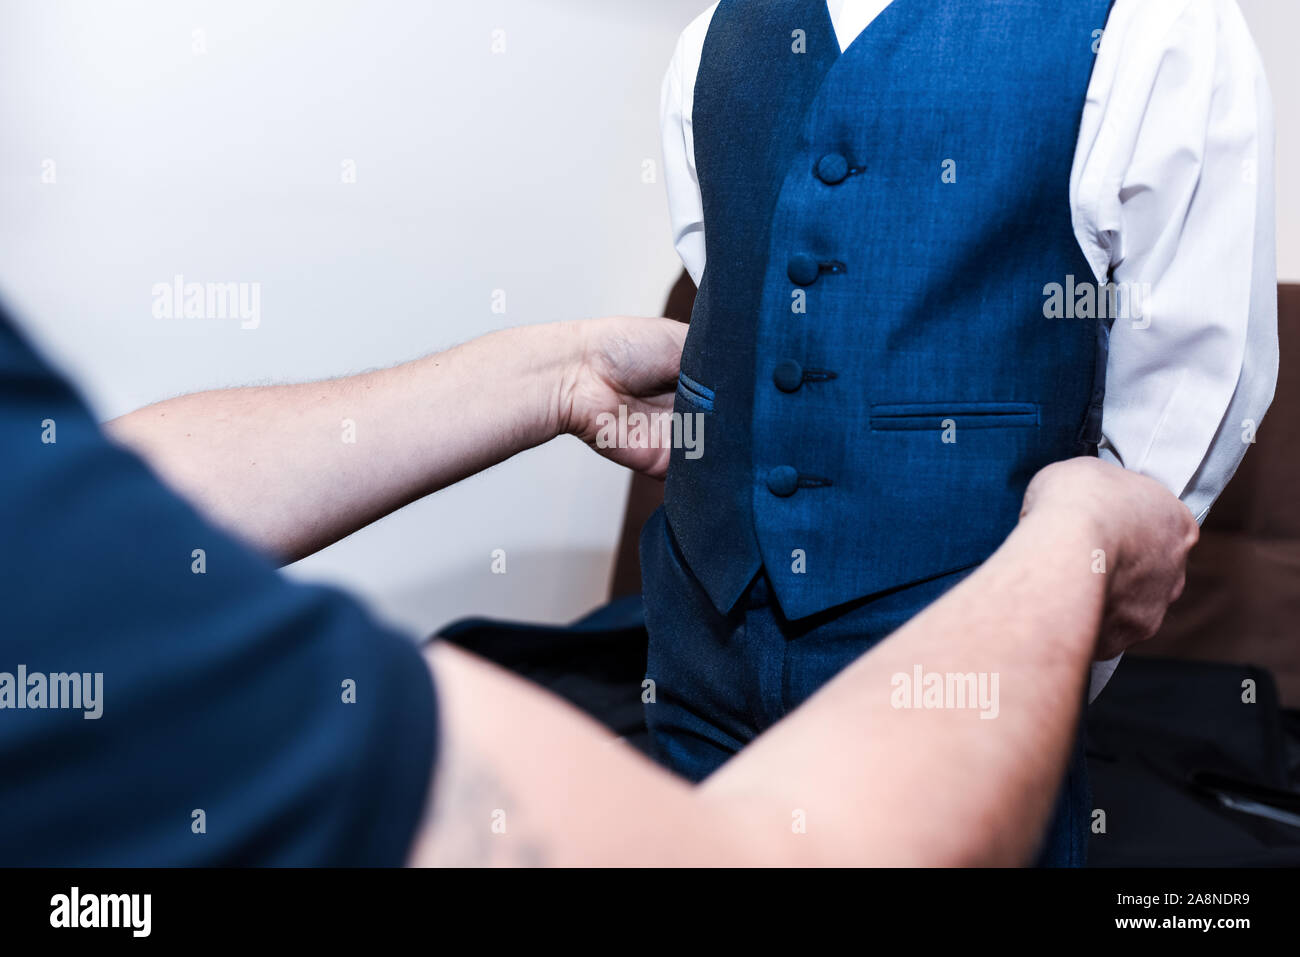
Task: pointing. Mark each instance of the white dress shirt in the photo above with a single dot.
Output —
(1171, 192)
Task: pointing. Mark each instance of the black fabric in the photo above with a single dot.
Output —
(596, 664)
(1168, 743)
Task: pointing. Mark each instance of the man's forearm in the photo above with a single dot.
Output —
(294, 468)
(951, 781)
(847, 779)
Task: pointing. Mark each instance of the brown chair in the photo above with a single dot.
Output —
(1242, 602)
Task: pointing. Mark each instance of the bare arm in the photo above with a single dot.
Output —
(294, 468)
(873, 784)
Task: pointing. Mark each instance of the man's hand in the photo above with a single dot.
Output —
(625, 362)
(1143, 534)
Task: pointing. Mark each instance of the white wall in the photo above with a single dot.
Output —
(476, 171)
(1275, 25)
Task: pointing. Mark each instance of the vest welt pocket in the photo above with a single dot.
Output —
(694, 392)
(925, 416)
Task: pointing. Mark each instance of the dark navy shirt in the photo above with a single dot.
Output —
(243, 718)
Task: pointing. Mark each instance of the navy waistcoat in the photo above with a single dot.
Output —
(869, 345)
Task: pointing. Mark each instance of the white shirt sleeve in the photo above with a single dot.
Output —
(685, 206)
(1172, 193)
(1173, 198)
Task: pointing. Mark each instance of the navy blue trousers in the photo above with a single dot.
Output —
(720, 680)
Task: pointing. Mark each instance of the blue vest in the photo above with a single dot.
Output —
(869, 344)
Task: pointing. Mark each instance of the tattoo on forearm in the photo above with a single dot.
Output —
(477, 822)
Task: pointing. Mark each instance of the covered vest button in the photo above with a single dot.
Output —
(832, 168)
(782, 481)
(788, 376)
(803, 270)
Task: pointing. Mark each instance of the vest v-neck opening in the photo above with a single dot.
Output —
(861, 40)
(829, 25)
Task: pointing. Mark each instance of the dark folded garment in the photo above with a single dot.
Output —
(1187, 773)
(597, 663)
